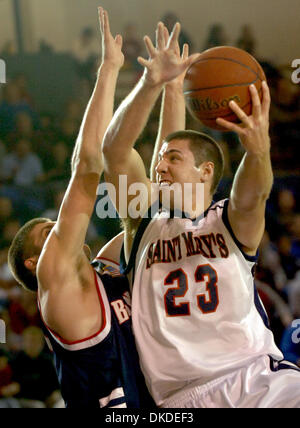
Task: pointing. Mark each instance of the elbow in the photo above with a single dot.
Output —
(87, 165)
(250, 202)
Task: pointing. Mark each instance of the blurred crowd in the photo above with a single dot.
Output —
(35, 152)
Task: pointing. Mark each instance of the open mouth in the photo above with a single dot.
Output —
(164, 183)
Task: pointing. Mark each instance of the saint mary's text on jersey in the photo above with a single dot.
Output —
(210, 246)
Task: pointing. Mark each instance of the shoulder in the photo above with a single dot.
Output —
(111, 251)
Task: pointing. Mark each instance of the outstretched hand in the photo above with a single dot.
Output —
(254, 129)
(111, 46)
(165, 63)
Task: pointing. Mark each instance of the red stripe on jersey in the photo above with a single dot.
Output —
(66, 342)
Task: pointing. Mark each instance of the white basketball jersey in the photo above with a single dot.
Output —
(196, 314)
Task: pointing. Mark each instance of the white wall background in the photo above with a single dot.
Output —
(276, 23)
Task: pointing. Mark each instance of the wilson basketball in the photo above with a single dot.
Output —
(220, 75)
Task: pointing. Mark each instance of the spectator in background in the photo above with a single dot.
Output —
(6, 212)
(58, 163)
(21, 81)
(23, 312)
(9, 231)
(68, 131)
(52, 214)
(132, 46)
(21, 167)
(246, 40)
(34, 371)
(8, 388)
(47, 127)
(295, 250)
(2, 150)
(25, 130)
(285, 117)
(280, 212)
(269, 260)
(170, 19)
(11, 105)
(216, 37)
(86, 50)
(287, 258)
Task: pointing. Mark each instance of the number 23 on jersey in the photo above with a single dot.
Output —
(203, 273)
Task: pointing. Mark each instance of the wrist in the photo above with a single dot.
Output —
(148, 82)
(174, 85)
(109, 66)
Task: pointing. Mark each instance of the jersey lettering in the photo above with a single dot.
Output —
(121, 310)
(209, 246)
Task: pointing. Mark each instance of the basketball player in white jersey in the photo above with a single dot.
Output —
(199, 324)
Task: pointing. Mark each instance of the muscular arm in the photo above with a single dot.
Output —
(120, 158)
(254, 178)
(172, 112)
(66, 280)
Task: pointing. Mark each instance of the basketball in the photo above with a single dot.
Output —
(220, 75)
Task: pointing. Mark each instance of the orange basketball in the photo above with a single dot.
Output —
(220, 75)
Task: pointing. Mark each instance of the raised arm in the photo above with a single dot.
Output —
(67, 291)
(254, 178)
(120, 158)
(68, 235)
(172, 112)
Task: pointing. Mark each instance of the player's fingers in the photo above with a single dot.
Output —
(191, 60)
(233, 127)
(256, 105)
(106, 23)
(174, 35)
(119, 40)
(101, 23)
(149, 46)
(144, 62)
(160, 39)
(266, 99)
(185, 52)
(166, 35)
(239, 113)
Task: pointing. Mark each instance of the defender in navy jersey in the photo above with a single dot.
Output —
(85, 308)
(103, 370)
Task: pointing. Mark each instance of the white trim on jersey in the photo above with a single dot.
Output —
(100, 335)
(116, 393)
(193, 303)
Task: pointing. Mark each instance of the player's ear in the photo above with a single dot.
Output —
(207, 171)
(31, 263)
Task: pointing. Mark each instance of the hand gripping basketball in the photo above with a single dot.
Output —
(254, 129)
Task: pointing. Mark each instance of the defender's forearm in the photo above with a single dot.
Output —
(87, 153)
(253, 181)
(172, 118)
(129, 121)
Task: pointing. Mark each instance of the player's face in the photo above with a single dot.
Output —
(40, 234)
(176, 165)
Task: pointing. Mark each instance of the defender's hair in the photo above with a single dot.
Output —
(204, 149)
(20, 250)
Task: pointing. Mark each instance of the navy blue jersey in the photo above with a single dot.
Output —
(103, 370)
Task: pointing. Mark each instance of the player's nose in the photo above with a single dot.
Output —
(161, 167)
